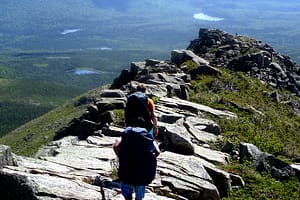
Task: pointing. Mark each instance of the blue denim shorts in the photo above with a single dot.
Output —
(127, 191)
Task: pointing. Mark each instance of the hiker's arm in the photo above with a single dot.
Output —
(154, 120)
(157, 151)
(151, 107)
(116, 147)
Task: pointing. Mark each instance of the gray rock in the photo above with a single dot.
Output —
(112, 131)
(86, 128)
(136, 67)
(202, 136)
(110, 104)
(6, 156)
(190, 55)
(248, 150)
(296, 168)
(123, 79)
(31, 186)
(107, 117)
(174, 170)
(178, 139)
(228, 147)
(277, 67)
(194, 107)
(204, 70)
(180, 56)
(112, 93)
(215, 157)
(236, 181)
(184, 93)
(275, 167)
(101, 141)
(152, 62)
(204, 125)
(266, 162)
(164, 77)
(177, 57)
(170, 117)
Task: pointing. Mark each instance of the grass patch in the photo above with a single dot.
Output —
(262, 186)
(273, 127)
(119, 117)
(260, 121)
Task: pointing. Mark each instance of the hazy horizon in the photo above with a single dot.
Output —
(132, 24)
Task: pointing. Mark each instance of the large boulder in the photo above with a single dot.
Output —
(264, 162)
(178, 139)
(174, 172)
(275, 167)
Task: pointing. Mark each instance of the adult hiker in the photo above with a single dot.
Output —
(140, 106)
(137, 152)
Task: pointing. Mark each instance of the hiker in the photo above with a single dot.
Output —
(137, 152)
(140, 106)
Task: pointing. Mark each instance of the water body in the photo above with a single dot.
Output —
(84, 72)
(202, 16)
(87, 71)
(102, 48)
(67, 31)
(105, 48)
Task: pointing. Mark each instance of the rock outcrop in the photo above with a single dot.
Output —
(80, 163)
(244, 54)
(266, 162)
(253, 57)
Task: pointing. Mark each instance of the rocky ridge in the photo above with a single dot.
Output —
(253, 57)
(80, 163)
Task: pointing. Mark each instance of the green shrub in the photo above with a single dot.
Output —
(119, 116)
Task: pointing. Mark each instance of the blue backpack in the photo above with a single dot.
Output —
(137, 160)
(136, 111)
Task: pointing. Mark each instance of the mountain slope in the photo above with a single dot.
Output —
(266, 116)
(28, 138)
(20, 102)
(50, 40)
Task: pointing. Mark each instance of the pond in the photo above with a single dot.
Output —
(202, 16)
(67, 31)
(84, 72)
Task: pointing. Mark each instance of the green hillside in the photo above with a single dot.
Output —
(273, 127)
(33, 83)
(28, 138)
(23, 100)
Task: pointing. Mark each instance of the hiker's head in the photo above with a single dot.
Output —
(141, 87)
